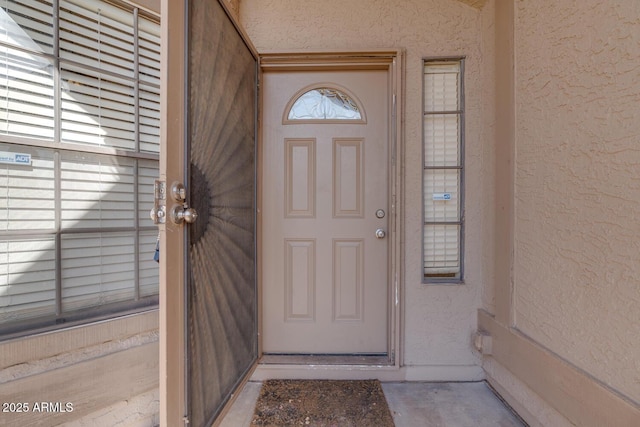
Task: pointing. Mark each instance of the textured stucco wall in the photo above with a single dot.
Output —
(577, 196)
(439, 320)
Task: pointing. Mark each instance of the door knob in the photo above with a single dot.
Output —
(180, 214)
(380, 233)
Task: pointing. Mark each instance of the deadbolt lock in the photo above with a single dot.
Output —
(158, 215)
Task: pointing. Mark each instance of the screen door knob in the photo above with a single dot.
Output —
(380, 233)
(180, 214)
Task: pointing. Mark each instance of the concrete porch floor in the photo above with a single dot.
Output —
(414, 404)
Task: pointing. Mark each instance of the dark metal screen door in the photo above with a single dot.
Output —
(221, 300)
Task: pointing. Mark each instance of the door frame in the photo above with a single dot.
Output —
(173, 103)
(390, 60)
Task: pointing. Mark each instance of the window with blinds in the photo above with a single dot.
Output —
(443, 173)
(79, 144)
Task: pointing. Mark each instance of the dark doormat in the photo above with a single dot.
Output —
(322, 403)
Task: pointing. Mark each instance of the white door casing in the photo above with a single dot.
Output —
(325, 281)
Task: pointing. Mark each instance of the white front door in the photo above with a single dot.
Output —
(325, 212)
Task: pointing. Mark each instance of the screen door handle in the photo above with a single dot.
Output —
(181, 213)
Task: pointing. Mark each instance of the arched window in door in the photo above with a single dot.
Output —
(322, 103)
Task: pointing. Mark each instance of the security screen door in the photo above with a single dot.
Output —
(221, 304)
(221, 297)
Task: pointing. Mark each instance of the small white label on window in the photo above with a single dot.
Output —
(15, 158)
(441, 196)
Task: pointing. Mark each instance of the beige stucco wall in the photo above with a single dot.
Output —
(438, 320)
(577, 188)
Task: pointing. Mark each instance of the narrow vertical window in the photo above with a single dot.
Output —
(443, 173)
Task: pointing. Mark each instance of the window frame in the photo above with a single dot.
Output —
(460, 277)
(59, 149)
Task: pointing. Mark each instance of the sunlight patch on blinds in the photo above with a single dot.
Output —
(26, 95)
(97, 109)
(26, 79)
(96, 192)
(27, 279)
(27, 24)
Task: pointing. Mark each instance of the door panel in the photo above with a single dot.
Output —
(325, 274)
(222, 301)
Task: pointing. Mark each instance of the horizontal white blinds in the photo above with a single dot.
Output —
(149, 89)
(27, 278)
(443, 170)
(26, 95)
(26, 77)
(97, 35)
(441, 86)
(97, 269)
(28, 24)
(441, 136)
(97, 110)
(74, 225)
(148, 268)
(149, 113)
(109, 74)
(442, 201)
(27, 193)
(147, 174)
(96, 192)
(441, 247)
(149, 51)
